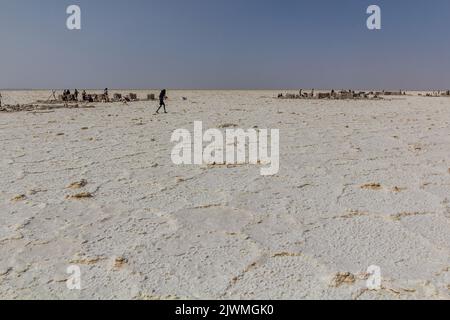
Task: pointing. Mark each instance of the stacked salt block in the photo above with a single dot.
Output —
(324, 95)
(345, 95)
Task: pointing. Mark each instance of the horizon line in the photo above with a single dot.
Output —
(225, 89)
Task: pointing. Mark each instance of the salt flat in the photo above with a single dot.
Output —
(361, 183)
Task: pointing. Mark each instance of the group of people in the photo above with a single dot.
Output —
(68, 96)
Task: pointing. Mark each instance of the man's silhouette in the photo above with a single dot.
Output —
(106, 95)
(162, 96)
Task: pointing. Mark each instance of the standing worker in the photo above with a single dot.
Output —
(106, 95)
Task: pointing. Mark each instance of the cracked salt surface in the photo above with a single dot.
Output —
(361, 183)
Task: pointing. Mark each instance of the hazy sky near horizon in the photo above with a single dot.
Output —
(225, 44)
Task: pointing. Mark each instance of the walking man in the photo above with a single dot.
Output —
(162, 97)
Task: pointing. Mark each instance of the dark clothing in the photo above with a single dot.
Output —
(162, 96)
(106, 95)
(161, 104)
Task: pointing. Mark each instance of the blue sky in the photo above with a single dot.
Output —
(225, 44)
